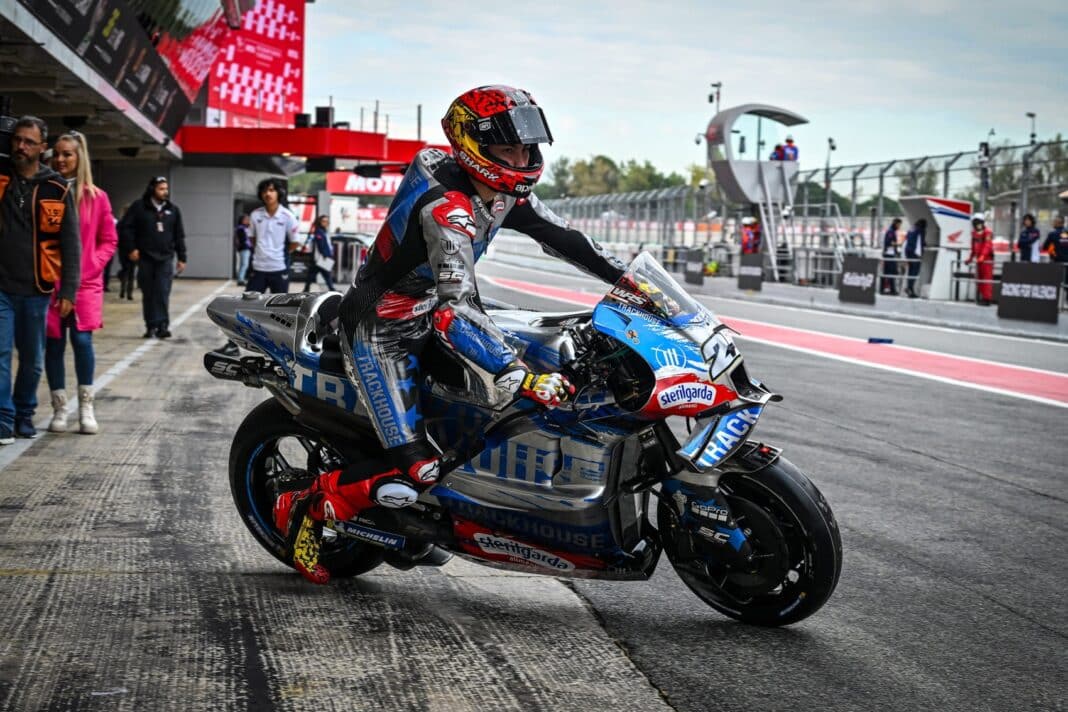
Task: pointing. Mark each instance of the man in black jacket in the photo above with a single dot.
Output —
(39, 229)
(151, 234)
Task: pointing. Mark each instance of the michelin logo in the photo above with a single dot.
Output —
(687, 394)
(527, 554)
(368, 534)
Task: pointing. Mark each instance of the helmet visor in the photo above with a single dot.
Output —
(523, 124)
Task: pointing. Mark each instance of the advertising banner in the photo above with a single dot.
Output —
(857, 282)
(751, 272)
(258, 78)
(111, 39)
(1030, 291)
(191, 57)
(345, 183)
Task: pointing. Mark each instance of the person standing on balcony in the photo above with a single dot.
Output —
(789, 151)
(983, 256)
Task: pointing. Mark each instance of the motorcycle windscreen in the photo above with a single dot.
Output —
(647, 286)
(717, 438)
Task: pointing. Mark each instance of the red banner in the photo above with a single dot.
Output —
(258, 79)
(191, 59)
(344, 183)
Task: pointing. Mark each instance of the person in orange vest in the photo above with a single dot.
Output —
(983, 256)
(750, 236)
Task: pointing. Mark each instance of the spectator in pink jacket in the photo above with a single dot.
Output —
(70, 158)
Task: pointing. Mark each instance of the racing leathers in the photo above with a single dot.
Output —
(983, 255)
(417, 284)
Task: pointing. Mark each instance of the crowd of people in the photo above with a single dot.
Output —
(61, 238)
(784, 152)
(1028, 247)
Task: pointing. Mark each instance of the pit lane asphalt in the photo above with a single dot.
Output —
(129, 582)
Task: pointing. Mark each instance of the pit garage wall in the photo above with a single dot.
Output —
(205, 195)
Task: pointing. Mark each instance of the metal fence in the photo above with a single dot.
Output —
(1010, 182)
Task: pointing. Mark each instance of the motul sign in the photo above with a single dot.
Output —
(343, 183)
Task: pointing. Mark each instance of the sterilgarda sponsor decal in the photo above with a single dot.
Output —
(521, 553)
(500, 546)
(686, 394)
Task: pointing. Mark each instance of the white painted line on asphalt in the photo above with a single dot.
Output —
(10, 453)
(819, 312)
(907, 372)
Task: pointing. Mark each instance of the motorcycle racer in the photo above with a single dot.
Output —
(418, 284)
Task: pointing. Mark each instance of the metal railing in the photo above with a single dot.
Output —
(1028, 175)
(861, 201)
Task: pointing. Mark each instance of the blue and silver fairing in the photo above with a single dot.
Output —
(717, 438)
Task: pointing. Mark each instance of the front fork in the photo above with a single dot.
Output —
(703, 510)
(696, 499)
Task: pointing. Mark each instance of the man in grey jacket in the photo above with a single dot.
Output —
(39, 229)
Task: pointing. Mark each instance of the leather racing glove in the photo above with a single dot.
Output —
(545, 389)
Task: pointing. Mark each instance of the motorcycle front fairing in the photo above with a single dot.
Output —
(698, 370)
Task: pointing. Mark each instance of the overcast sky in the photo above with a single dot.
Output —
(630, 78)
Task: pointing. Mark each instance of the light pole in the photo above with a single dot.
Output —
(714, 98)
(1031, 115)
(831, 146)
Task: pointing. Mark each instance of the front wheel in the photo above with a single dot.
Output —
(272, 453)
(796, 544)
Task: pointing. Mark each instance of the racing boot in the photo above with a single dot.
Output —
(300, 516)
(341, 494)
(338, 495)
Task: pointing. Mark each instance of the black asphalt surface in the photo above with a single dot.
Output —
(953, 506)
(130, 584)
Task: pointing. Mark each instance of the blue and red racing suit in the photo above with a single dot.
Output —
(418, 283)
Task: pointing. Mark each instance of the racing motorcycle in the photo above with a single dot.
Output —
(654, 454)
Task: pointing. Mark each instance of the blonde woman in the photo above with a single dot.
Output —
(70, 157)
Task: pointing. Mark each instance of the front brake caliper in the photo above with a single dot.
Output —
(703, 510)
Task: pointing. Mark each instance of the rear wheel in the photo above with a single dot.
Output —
(272, 453)
(797, 549)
